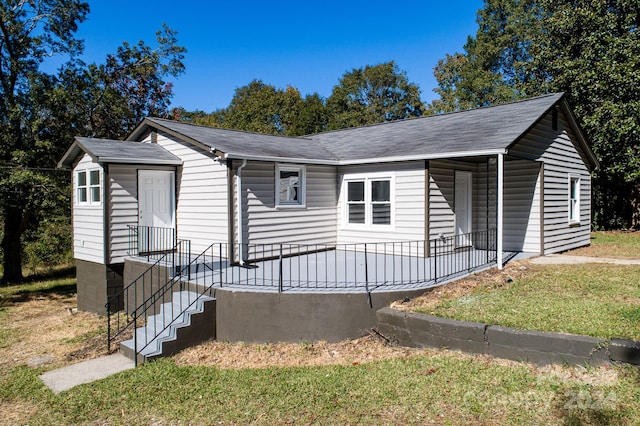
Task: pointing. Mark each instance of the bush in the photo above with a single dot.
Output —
(49, 245)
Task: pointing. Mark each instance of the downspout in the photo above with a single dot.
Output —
(239, 215)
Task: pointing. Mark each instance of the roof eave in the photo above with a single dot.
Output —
(72, 153)
(141, 161)
(395, 159)
(582, 140)
(147, 123)
(237, 156)
(390, 159)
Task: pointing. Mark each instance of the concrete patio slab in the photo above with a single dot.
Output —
(89, 371)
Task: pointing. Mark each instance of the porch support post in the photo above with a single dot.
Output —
(500, 209)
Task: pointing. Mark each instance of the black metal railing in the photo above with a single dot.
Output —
(153, 308)
(150, 241)
(343, 266)
(122, 307)
(281, 267)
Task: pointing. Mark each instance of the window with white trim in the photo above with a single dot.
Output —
(290, 186)
(88, 188)
(574, 199)
(369, 201)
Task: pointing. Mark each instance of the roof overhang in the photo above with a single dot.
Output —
(389, 159)
(147, 125)
(78, 148)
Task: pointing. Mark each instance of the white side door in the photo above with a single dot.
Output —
(156, 210)
(463, 207)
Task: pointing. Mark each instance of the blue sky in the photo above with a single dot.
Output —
(307, 44)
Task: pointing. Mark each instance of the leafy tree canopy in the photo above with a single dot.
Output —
(373, 94)
(41, 113)
(589, 49)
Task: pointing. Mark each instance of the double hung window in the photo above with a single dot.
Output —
(369, 202)
(574, 199)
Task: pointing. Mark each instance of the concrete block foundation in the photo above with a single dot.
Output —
(96, 284)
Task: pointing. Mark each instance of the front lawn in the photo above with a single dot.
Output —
(594, 299)
(620, 244)
(364, 381)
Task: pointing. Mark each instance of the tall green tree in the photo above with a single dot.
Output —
(373, 94)
(589, 49)
(40, 113)
(495, 65)
(29, 32)
(262, 108)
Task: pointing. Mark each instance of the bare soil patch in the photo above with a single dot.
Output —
(490, 278)
(49, 325)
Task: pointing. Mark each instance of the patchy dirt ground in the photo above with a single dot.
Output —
(493, 277)
(44, 325)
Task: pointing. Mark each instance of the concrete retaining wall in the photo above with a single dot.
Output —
(420, 330)
(296, 317)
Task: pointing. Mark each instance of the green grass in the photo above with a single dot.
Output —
(438, 389)
(597, 300)
(612, 244)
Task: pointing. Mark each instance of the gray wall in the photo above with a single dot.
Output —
(297, 317)
(264, 223)
(96, 284)
(562, 158)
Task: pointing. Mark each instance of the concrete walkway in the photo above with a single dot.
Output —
(564, 259)
(86, 372)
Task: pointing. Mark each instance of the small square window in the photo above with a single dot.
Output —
(290, 183)
(88, 187)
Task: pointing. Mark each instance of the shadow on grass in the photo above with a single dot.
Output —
(53, 283)
(68, 271)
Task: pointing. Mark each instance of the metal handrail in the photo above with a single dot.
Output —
(363, 265)
(151, 302)
(164, 265)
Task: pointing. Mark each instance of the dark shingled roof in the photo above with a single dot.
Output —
(112, 151)
(481, 131)
(244, 144)
(484, 130)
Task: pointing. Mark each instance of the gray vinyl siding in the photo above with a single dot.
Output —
(562, 158)
(487, 194)
(442, 197)
(88, 220)
(264, 223)
(408, 203)
(522, 206)
(123, 209)
(201, 186)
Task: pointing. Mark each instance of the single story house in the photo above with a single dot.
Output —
(523, 169)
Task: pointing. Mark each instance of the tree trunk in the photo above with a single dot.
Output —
(635, 207)
(12, 262)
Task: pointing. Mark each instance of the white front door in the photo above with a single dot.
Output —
(463, 207)
(155, 198)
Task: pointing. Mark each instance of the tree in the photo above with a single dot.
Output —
(373, 94)
(41, 113)
(262, 108)
(495, 66)
(589, 49)
(29, 32)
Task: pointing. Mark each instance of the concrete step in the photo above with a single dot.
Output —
(172, 330)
